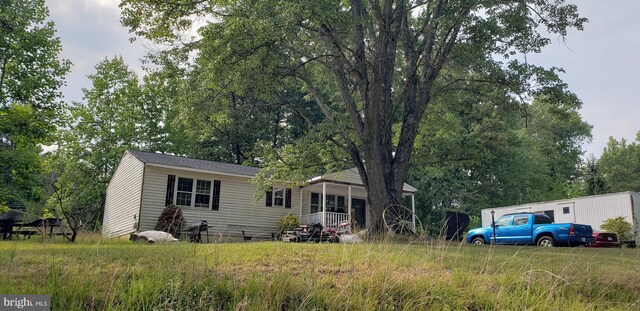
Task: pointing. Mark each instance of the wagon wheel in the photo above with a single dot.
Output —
(399, 220)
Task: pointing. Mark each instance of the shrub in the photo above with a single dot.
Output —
(619, 226)
(474, 222)
(171, 220)
(288, 222)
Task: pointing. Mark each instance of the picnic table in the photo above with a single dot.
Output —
(10, 227)
(43, 224)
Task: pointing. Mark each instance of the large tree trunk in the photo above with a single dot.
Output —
(383, 191)
(385, 175)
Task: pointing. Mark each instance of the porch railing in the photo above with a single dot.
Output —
(332, 220)
(315, 218)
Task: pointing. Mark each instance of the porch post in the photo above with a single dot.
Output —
(413, 210)
(349, 207)
(324, 202)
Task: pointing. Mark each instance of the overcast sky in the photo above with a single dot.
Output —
(601, 62)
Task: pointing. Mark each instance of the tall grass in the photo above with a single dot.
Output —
(94, 274)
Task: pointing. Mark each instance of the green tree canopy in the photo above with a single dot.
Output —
(593, 181)
(225, 120)
(30, 71)
(31, 74)
(620, 165)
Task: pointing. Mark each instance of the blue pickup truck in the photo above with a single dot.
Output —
(531, 229)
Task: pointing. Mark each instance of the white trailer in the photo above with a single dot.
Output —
(591, 210)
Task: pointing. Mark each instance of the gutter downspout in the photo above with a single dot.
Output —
(144, 171)
(300, 206)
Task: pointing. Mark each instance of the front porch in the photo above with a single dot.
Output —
(340, 204)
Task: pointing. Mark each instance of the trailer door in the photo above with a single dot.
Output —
(567, 213)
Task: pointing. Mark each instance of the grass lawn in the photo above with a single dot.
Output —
(118, 275)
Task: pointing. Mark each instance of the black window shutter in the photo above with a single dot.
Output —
(269, 200)
(216, 196)
(287, 198)
(171, 183)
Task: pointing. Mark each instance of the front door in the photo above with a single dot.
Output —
(520, 230)
(501, 229)
(358, 212)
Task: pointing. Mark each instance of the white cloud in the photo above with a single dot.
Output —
(90, 31)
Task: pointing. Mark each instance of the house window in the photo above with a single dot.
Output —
(340, 203)
(335, 203)
(279, 197)
(201, 195)
(315, 202)
(185, 191)
(331, 203)
(566, 210)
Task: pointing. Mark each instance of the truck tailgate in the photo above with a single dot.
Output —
(583, 230)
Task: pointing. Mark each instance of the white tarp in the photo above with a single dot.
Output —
(156, 236)
(350, 239)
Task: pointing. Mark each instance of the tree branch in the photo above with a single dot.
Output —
(302, 63)
(351, 149)
(430, 69)
(360, 57)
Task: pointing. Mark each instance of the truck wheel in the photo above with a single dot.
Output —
(477, 240)
(546, 241)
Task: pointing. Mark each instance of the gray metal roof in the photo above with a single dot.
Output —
(190, 163)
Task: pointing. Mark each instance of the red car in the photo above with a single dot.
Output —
(605, 239)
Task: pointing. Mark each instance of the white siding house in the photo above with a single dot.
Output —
(591, 210)
(222, 194)
(122, 203)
